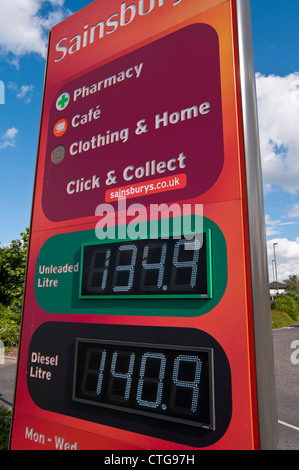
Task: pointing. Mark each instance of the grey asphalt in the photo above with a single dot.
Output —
(286, 361)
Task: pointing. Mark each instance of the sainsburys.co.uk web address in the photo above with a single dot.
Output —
(150, 187)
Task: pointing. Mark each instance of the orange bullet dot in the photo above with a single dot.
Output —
(60, 127)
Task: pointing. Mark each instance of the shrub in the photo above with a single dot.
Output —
(280, 319)
(10, 313)
(9, 334)
(294, 296)
(287, 304)
(9, 327)
(5, 419)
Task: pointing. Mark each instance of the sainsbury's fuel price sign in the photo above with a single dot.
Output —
(142, 325)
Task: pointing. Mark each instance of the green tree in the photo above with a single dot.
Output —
(292, 289)
(292, 284)
(12, 271)
(9, 326)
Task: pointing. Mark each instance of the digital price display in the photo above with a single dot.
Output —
(142, 268)
(169, 382)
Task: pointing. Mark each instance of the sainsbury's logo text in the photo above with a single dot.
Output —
(124, 17)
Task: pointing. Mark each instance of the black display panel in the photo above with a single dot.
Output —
(59, 340)
(169, 382)
(155, 267)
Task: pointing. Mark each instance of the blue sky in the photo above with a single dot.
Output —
(24, 26)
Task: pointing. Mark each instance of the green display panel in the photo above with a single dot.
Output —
(78, 273)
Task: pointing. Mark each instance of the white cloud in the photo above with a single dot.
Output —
(24, 92)
(278, 107)
(287, 257)
(11, 133)
(8, 138)
(274, 227)
(24, 26)
(294, 211)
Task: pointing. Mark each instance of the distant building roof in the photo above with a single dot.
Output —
(277, 285)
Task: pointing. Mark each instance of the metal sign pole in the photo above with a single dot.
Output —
(259, 270)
